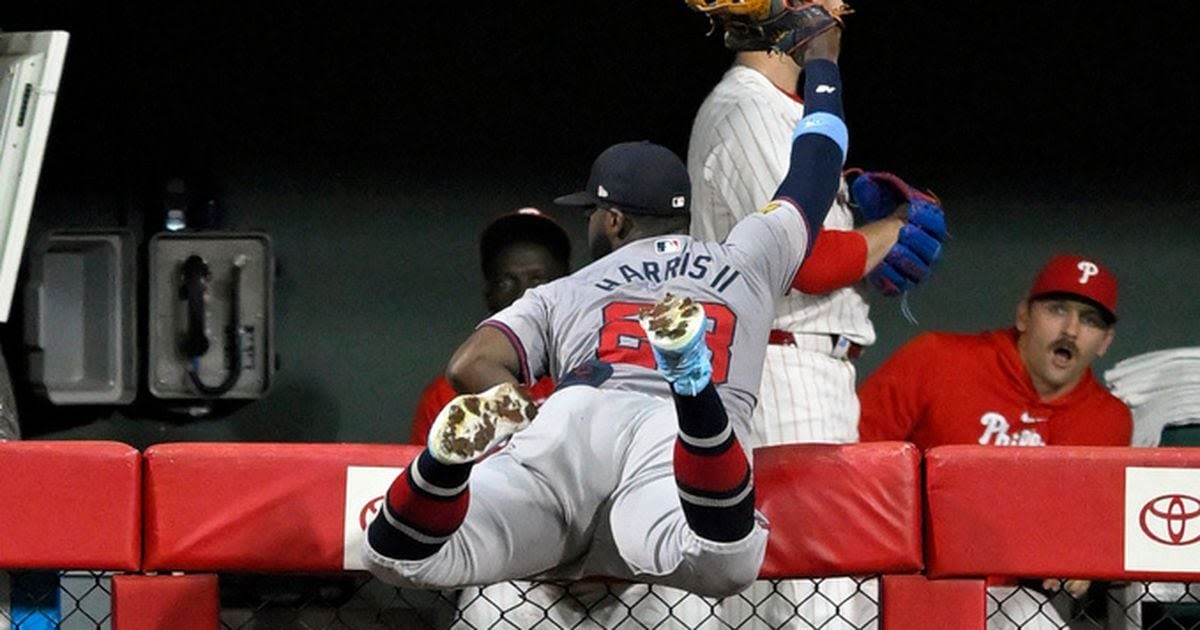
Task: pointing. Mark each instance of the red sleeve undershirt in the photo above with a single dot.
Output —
(838, 259)
(435, 396)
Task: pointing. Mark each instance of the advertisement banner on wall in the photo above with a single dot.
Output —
(365, 490)
(1162, 519)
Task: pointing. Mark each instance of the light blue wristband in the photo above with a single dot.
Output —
(828, 125)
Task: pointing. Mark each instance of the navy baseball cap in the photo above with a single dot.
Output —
(640, 177)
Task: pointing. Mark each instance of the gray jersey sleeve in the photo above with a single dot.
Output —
(525, 323)
(772, 241)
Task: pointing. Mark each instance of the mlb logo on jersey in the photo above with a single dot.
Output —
(665, 246)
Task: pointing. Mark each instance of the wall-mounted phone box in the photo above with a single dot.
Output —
(80, 317)
(210, 315)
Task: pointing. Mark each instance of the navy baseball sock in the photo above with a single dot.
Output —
(425, 505)
(711, 470)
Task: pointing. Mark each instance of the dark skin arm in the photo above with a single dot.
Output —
(485, 359)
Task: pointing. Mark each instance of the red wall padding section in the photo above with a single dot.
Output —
(840, 509)
(70, 505)
(252, 507)
(914, 601)
(166, 602)
(834, 510)
(1053, 511)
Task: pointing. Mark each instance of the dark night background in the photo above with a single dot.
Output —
(373, 141)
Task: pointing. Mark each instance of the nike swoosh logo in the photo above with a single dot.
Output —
(1028, 419)
(825, 89)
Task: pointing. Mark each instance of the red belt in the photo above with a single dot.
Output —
(836, 343)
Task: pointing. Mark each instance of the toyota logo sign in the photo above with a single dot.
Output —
(1168, 519)
(369, 511)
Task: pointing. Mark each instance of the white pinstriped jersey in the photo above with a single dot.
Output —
(738, 153)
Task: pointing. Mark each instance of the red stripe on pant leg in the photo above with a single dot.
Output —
(430, 515)
(716, 473)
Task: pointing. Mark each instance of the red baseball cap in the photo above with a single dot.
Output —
(1081, 277)
(525, 225)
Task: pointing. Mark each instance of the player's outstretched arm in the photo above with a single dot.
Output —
(487, 358)
(821, 139)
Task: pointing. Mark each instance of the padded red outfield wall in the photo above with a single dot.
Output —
(70, 505)
(840, 509)
(1081, 512)
(254, 507)
(834, 509)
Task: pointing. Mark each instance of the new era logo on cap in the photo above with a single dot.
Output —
(638, 177)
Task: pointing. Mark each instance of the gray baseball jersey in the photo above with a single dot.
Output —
(591, 314)
(606, 451)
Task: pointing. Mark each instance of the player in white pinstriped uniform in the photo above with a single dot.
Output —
(736, 158)
(737, 154)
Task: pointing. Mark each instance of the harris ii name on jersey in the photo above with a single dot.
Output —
(654, 272)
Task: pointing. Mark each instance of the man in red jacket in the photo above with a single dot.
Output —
(1029, 385)
(517, 251)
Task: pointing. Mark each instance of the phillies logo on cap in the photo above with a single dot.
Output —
(1088, 269)
(1079, 276)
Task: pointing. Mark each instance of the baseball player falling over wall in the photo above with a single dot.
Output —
(634, 468)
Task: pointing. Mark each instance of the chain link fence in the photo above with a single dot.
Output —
(357, 601)
(82, 600)
(1103, 606)
(72, 600)
(360, 602)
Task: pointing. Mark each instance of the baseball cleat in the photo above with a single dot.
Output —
(472, 425)
(675, 327)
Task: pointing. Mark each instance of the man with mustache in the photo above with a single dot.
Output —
(1029, 385)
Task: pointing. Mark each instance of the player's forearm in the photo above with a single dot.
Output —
(880, 235)
(477, 376)
(819, 146)
(485, 359)
(841, 258)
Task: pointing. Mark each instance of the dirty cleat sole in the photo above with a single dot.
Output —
(472, 425)
(673, 323)
(675, 327)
